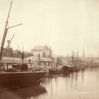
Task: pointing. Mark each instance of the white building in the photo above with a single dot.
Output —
(42, 55)
(42, 51)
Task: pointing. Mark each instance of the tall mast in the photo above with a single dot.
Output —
(5, 33)
(83, 54)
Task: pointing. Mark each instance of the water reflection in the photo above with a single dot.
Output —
(78, 85)
(23, 93)
(83, 84)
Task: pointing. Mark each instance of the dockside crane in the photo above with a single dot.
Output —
(5, 32)
(8, 46)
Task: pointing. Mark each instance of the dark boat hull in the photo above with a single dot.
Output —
(54, 72)
(20, 79)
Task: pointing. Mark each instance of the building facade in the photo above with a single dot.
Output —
(42, 55)
(42, 51)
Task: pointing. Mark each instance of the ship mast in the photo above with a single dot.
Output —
(5, 33)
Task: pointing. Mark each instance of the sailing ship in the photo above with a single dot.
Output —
(24, 77)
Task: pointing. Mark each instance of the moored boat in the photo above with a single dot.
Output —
(19, 77)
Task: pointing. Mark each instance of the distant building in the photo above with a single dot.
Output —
(8, 52)
(91, 61)
(43, 61)
(42, 55)
(42, 51)
(16, 53)
(11, 60)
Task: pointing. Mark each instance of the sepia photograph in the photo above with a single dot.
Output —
(49, 49)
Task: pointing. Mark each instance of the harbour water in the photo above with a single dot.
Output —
(78, 85)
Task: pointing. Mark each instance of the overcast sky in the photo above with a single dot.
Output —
(63, 25)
